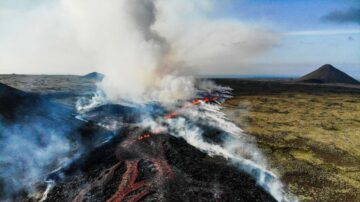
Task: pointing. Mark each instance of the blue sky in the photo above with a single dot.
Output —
(289, 15)
(313, 32)
(308, 40)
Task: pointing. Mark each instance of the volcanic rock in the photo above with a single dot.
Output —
(35, 120)
(158, 168)
(94, 75)
(133, 165)
(328, 74)
(17, 106)
(13, 100)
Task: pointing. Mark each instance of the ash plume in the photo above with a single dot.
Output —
(134, 43)
(145, 43)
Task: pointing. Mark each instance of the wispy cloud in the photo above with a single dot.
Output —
(323, 32)
(351, 15)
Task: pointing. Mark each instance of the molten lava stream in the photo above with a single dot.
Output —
(102, 179)
(128, 184)
(194, 102)
(129, 189)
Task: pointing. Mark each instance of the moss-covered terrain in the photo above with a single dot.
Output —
(311, 139)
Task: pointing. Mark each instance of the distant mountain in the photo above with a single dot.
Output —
(94, 75)
(328, 74)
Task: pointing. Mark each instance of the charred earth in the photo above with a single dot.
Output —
(131, 164)
(139, 166)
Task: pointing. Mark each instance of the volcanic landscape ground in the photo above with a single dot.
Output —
(309, 133)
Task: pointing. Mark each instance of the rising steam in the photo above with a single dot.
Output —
(136, 44)
(142, 44)
(28, 151)
(194, 122)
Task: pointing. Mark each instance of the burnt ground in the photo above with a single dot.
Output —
(307, 131)
(133, 166)
(253, 87)
(195, 176)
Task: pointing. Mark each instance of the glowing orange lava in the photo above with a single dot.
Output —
(194, 102)
(129, 189)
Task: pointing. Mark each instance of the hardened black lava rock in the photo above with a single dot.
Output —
(197, 176)
(191, 175)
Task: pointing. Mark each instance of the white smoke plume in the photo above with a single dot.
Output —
(139, 45)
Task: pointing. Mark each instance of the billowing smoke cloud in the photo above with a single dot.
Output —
(138, 45)
(142, 43)
(39, 41)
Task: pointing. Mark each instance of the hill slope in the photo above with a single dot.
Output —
(328, 74)
(94, 75)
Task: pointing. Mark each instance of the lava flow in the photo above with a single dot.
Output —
(135, 149)
(130, 188)
(145, 160)
(194, 102)
(129, 184)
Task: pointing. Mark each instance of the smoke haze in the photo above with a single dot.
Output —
(137, 44)
(32, 146)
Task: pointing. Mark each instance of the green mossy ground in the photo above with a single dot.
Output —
(311, 140)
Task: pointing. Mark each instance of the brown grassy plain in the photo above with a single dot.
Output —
(311, 139)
